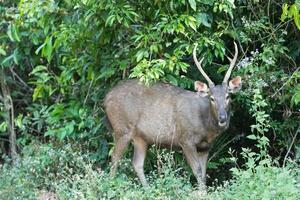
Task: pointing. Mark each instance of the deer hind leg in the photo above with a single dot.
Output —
(121, 144)
(140, 148)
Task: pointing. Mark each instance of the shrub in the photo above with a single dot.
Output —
(38, 169)
(262, 182)
(67, 172)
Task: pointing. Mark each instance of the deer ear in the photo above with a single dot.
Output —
(201, 88)
(235, 84)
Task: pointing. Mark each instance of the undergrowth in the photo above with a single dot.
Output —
(68, 174)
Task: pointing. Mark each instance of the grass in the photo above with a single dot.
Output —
(68, 174)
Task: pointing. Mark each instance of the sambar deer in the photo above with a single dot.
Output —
(170, 116)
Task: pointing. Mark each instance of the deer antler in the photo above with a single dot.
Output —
(198, 64)
(232, 63)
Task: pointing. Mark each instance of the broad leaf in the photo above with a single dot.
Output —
(193, 4)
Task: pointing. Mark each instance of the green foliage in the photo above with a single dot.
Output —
(296, 91)
(67, 173)
(165, 185)
(291, 12)
(260, 177)
(61, 57)
(39, 168)
(261, 182)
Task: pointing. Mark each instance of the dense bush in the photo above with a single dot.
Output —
(261, 182)
(70, 175)
(67, 173)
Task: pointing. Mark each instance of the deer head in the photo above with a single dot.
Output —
(219, 94)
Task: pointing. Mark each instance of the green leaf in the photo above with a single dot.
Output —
(50, 133)
(3, 127)
(38, 69)
(2, 52)
(193, 4)
(18, 121)
(62, 133)
(15, 33)
(153, 48)
(252, 137)
(222, 68)
(37, 93)
(15, 56)
(192, 24)
(39, 48)
(172, 79)
(284, 12)
(292, 10)
(70, 128)
(139, 55)
(110, 20)
(296, 97)
(205, 19)
(297, 18)
(9, 33)
(7, 59)
(91, 73)
(265, 139)
(12, 33)
(106, 72)
(47, 48)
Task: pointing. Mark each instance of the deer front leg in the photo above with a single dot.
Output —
(190, 152)
(203, 162)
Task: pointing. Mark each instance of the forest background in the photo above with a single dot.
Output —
(59, 58)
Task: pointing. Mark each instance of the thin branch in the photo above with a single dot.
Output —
(88, 92)
(222, 147)
(292, 60)
(268, 10)
(4, 139)
(284, 83)
(239, 42)
(290, 147)
(13, 137)
(283, 111)
(20, 79)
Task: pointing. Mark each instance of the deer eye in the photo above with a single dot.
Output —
(227, 97)
(212, 99)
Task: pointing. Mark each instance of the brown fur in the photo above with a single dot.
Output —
(165, 115)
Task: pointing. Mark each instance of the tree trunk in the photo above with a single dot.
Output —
(9, 114)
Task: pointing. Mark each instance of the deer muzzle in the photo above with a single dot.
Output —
(222, 120)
